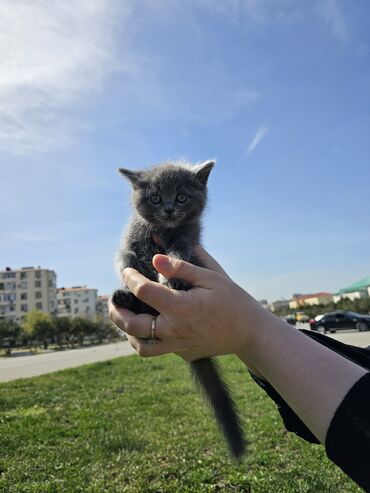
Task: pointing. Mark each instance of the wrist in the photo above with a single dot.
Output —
(255, 327)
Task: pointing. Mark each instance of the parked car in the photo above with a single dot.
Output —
(290, 319)
(333, 321)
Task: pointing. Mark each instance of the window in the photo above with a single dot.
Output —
(38, 274)
(8, 275)
(23, 275)
(2, 286)
(9, 285)
(24, 308)
(76, 301)
(37, 284)
(38, 294)
(23, 296)
(38, 306)
(23, 285)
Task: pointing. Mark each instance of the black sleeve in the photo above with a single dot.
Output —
(348, 438)
(290, 419)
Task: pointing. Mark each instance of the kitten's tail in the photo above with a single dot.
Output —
(207, 375)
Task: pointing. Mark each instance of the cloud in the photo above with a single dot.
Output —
(259, 135)
(52, 55)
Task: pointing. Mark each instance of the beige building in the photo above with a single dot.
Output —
(102, 307)
(78, 301)
(310, 300)
(26, 289)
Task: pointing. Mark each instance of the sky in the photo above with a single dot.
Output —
(277, 91)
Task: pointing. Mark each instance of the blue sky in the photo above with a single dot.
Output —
(277, 91)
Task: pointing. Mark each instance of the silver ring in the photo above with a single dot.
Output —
(152, 338)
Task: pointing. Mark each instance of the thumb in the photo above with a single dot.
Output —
(172, 268)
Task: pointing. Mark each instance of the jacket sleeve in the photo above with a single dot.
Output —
(348, 438)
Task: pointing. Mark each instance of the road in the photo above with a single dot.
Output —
(361, 339)
(31, 366)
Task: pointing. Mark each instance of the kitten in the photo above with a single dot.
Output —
(168, 201)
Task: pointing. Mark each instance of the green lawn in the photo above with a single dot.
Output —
(133, 425)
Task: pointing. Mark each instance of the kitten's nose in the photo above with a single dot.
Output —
(168, 209)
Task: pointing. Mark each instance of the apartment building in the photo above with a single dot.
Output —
(302, 300)
(26, 289)
(102, 307)
(77, 301)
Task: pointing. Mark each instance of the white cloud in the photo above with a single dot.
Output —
(258, 136)
(52, 54)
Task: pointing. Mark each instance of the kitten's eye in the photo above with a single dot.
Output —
(181, 198)
(155, 199)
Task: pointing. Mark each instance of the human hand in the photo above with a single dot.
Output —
(214, 317)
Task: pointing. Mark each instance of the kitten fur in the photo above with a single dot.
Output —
(168, 201)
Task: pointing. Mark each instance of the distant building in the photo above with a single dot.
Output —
(302, 300)
(78, 301)
(264, 303)
(26, 289)
(102, 307)
(356, 290)
(278, 305)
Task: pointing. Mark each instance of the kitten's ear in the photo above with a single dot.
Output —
(203, 170)
(135, 177)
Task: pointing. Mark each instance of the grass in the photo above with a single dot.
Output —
(133, 425)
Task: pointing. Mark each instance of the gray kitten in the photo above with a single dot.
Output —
(168, 202)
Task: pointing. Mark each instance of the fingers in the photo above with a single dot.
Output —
(174, 268)
(138, 330)
(146, 350)
(208, 261)
(152, 293)
(136, 325)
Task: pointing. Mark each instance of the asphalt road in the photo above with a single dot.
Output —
(33, 365)
(361, 339)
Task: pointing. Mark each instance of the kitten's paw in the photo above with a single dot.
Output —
(178, 284)
(124, 299)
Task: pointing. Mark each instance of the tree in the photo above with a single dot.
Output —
(63, 329)
(82, 327)
(39, 325)
(103, 329)
(9, 331)
(44, 331)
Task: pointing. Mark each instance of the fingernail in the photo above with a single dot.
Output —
(162, 260)
(124, 274)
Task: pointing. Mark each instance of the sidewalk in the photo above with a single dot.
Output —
(29, 365)
(32, 365)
